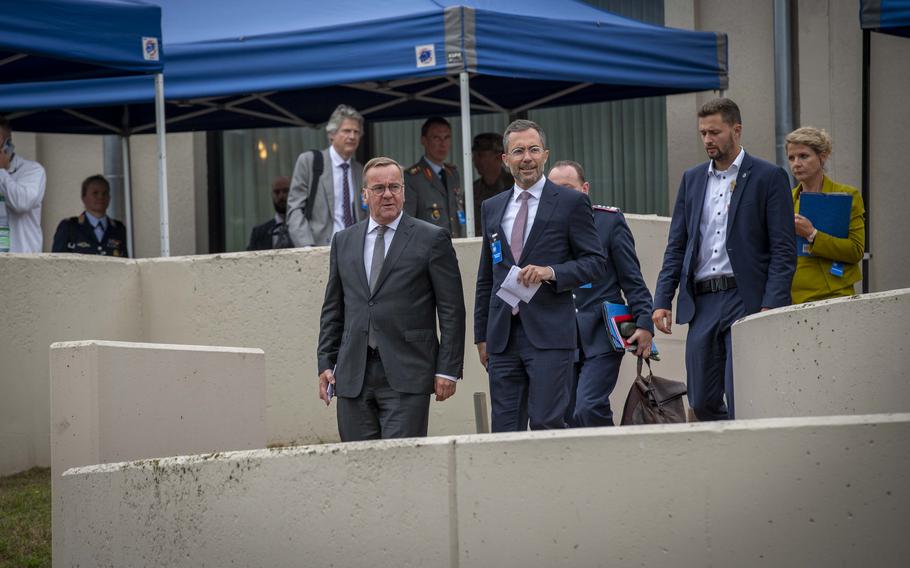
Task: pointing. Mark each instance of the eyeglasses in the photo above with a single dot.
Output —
(535, 151)
(394, 188)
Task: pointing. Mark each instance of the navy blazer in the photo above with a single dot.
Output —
(761, 241)
(261, 236)
(563, 237)
(623, 279)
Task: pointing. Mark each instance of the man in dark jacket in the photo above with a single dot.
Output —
(273, 234)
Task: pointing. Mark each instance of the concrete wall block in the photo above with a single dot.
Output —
(842, 356)
(116, 401)
(47, 299)
(369, 504)
(789, 492)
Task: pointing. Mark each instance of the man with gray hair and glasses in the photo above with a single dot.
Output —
(324, 196)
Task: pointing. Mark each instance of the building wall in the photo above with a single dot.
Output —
(888, 188)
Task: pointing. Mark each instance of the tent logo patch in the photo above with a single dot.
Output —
(150, 48)
(426, 55)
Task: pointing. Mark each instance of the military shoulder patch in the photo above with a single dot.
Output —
(607, 208)
(413, 170)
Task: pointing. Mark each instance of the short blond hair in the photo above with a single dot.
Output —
(380, 162)
(815, 138)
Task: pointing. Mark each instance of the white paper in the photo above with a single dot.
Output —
(512, 291)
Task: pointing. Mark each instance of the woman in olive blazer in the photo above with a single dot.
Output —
(818, 277)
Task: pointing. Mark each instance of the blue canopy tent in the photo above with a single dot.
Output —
(886, 16)
(50, 42)
(230, 66)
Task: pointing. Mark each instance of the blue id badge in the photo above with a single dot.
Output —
(461, 218)
(496, 249)
(588, 285)
(837, 269)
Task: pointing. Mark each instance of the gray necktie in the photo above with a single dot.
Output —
(99, 230)
(375, 269)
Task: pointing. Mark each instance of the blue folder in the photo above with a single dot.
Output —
(829, 213)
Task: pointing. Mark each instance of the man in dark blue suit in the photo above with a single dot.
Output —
(597, 367)
(548, 231)
(731, 251)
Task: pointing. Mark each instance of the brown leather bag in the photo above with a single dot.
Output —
(654, 400)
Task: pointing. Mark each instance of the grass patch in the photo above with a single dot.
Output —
(25, 519)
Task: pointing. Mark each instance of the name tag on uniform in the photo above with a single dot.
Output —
(496, 248)
(461, 218)
(588, 285)
(837, 269)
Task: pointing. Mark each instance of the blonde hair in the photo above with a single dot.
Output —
(815, 138)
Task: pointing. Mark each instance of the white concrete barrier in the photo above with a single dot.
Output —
(269, 300)
(844, 356)
(44, 299)
(115, 401)
(783, 492)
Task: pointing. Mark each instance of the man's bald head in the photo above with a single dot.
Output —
(281, 185)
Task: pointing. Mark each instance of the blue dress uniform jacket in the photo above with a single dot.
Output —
(426, 198)
(77, 235)
(622, 279)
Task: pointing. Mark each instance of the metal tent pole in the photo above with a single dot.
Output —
(468, 164)
(162, 165)
(128, 196)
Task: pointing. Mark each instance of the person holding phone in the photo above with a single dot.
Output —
(22, 184)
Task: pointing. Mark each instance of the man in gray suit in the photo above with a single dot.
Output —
(389, 278)
(336, 203)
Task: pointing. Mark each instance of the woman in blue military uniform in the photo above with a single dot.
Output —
(92, 232)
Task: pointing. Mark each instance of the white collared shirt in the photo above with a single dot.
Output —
(370, 241)
(713, 260)
(338, 186)
(22, 188)
(508, 218)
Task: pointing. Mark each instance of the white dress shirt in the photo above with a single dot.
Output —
(338, 186)
(22, 188)
(713, 261)
(508, 218)
(370, 242)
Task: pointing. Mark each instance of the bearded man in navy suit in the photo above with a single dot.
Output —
(731, 251)
(548, 231)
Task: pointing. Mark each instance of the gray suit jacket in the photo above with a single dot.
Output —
(419, 280)
(317, 231)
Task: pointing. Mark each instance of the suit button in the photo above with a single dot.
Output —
(372, 303)
(573, 296)
(576, 310)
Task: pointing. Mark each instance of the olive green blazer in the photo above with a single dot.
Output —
(813, 279)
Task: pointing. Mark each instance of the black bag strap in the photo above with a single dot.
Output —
(318, 167)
